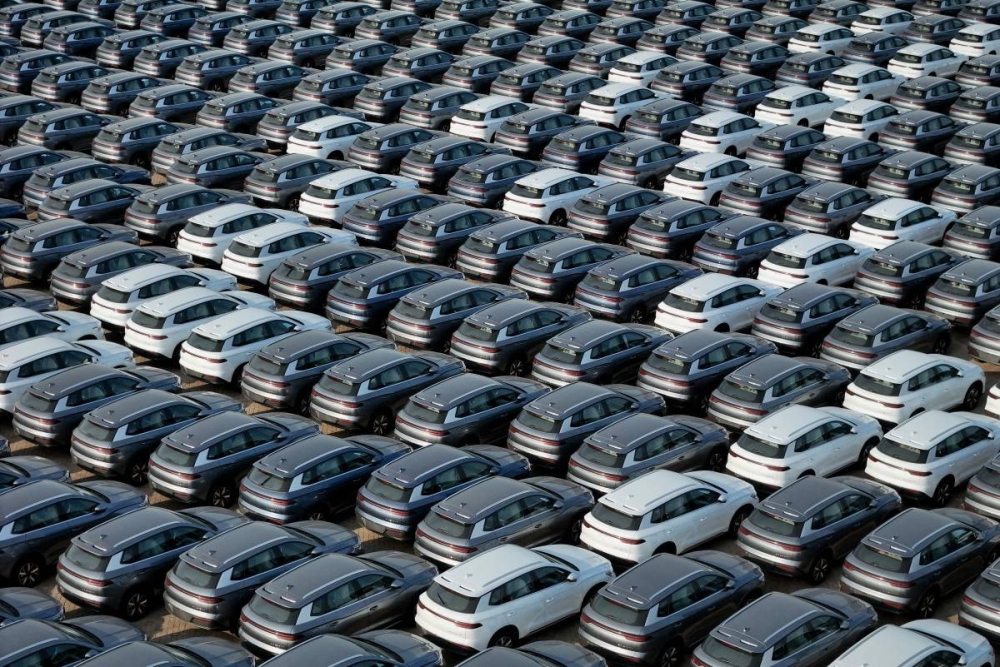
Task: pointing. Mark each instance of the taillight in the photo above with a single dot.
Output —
(92, 582)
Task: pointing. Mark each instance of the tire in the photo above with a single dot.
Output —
(321, 513)
(558, 218)
(722, 328)
(222, 494)
(972, 397)
(293, 203)
(841, 232)
(666, 548)
(621, 125)
(172, 237)
(738, 519)
(302, 402)
(716, 460)
(752, 271)
(716, 198)
(943, 492)
(819, 569)
(731, 151)
(506, 637)
(942, 344)
(518, 367)
(751, 596)
(137, 471)
(28, 571)
(237, 375)
(136, 603)
(927, 604)
(335, 155)
(672, 655)
(381, 422)
(866, 449)
(573, 534)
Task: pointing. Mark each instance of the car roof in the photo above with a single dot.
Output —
(142, 275)
(762, 622)
(643, 493)
(718, 118)
(630, 432)
(121, 410)
(224, 326)
(920, 48)
(503, 313)
(561, 401)
(110, 536)
(298, 344)
(972, 271)
(170, 303)
(26, 496)
(24, 351)
(911, 529)
(707, 285)
(806, 245)
(420, 464)
(586, 334)
(902, 365)
(221, 551)
(705, 161)
(763, 370)
(925, 429)
(804, 496)
(473, 503)
(892, 208)
(271, 233)
(786, 424)
(301, 584)
(300, 455)
(900, 643)
(488, 103)
(481, 573)
(197, 436)
(450, 392)
(861, 106)
(543, 178)
(643, 584)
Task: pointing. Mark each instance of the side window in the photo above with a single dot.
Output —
(513, 590)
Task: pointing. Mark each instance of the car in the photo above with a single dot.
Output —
(725, 303)
(549, 429)
(897, 219)
(923, 59)
(179, 653)
(722, 132)
(797, 629)
(923, 549)
(629, 288)
(656, 513)
(554, 50)
(736, 92)
(19, 163)
(449, 35)
(841, 12)
(974, 144)
(683, 590)
(491, 252)
(927, 92)
(119, 565)
(47, 514)
(972, 234)
(21, 324)
(22, 68)
(255, 37)
(963, 294)
(327, 137)
(336, 85)
(49, 411)
(17, 109)
(257, 552)
(765, 192)
(383, 148)
(516, 328)
(571, 22)
(279, 123)
(664, 119)
(874, 48)
(784, 146)
(687, 80)
(548, 194)
(860, 119)
(635, 445)
(399, 495)
(710, 47)
(581, 148)
(485, 181)
(208, 235)
(978, 604)
(804, 528)
(253, 255)
(982, 336)
(438, 234)
(909, 174)
(923, 639)
(887, 19)
(90, 201)
(32, 252)
(196, 138)
(977, 105)
(813, 258)
(567, 574)
(936, 28)
(879, 330)
(605, 214)
(828, 207)
(480, 118)
(901, 274)
(161, 213)
(967, 188)
(303, 280)
(434, 163)
(382, 99)
(861, 81)
(121, 49)
(528, 133)
(612, 105)
(553, 270)
(21, 603)
(795, 105)
(162, 58)
(378, 218)
(808, 69)
(327, 199)
(919, 130)
(27, 298)
(978, 71)
(777, 29)
(18, 471)
(798, 319)
(170, 102)
(74, 639)
(738, 244)
(918, 381)
(341, 18)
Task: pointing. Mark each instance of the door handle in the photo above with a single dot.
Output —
(373, 607)
(549, 600)
(537, 526)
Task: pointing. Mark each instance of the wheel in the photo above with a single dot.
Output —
(621, 125)
(293, 203)
(915, 301)
(841, 232)
(722, 328)
(308, 62)
(558, 218)
(716, 198)
(335, 155)
(573, 534)
(517, 366)
(942, 494)
(237, 375)
(321, 513)
(137, 471)
(172, 236)
(222, 494)
(381, 423)
(451, 260)
(820, 569)
(28, 571)
(649, 183)
(73, 99)
(136, 603)
(873, 137)
(738, 519)
(717, 460)
(838, 399)
(506, 637)
(731, 151)
(302, 402)
(752, 271)
(927, 604)
(666, 548)
(672, 655)
(866, 450)
(942, 344)
(814, 348)
(803, 123)
(972, 397)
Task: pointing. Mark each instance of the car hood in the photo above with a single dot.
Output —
(216, 652)
(222, 519)
(409, 647)
(332, 537)
(120, 496)
(109, 630)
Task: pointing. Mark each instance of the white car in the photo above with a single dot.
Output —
(546, 195)
(722, 132)
(713, 301)
(640, 67)
(327, 199)
(255, 255)
(858, 81)
(614, 104)
(993, 402)
(821, 38)
(207, 235)
(898, 219)
(900, 385)
(862, 119)
(328, 137)
(703, 177)
(159, 326)
(882, 19)
(480, 119)
(796, 105)
(977, 39)
(813, 258)
(919, 644)
(799, 440)
(218, 349)
(930, 454)
(18, 324)
(666, 511)
(508, 593)
(926, 60)
(28, 362)
(118, 297)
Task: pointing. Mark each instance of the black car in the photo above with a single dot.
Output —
(687, 80)
(624, 30)
(173, 102)
(629, 288)
(215, 167)
(366, 56)
(303, 280)
(878, 330)
(121, 49)
(528, 133)
(63, 129)
(335, 86)
(476, 73)
(33, 252)
(689, 13)
(433, 163)
(671, 230)
(436, 234)
(13, 17)
(808, 69)
(94, 200)
(829, 207)
(765, 192)
(526, 16)
(577, 23)
(873, 48)
(273, 79)
(27, 298)
(434, 108)
(930, 93)
(925, 131)
(341, 18)
(499, 42)
(738, 245)
(196, 138)
(210, 69)
(785, 146)
(381, 100)
(521, 81)
(797, 320)
(975, 234)
(15, 110)
(933, 28)
(420, 62)
(844, 159)
(980, 104)
(163, 58)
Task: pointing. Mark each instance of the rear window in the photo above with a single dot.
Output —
(955, 287)
(176, 457)
(616, 518)
(477, 332)
(601, 457)
(95, 432)
(780, 314)
(988, 589)
(384, 489)
(852, 337)
(730, 655)
(460, 604)
(338, 386)
(204, 343)
(883, 560)
(33, 401)
(112, 295)
(449, 527)
(902, 452)
(86, 560)
(195, 576)
(539, 422)
(684, 303)
(268, 481)
(273, 612)
(143, 319)
(616, 611)
(425, 413)
(776, 525)
(877, 385)
(241, 249)
(562, 354)
(741, 392)
(669, 364)
(762, 447)
(883, 268)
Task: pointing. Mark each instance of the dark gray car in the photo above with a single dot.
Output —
(79, 275)
(491, 253)
(18, 603)
(69, 172)
(377, 219)
(314, 478)
(120, 564)
(435, 235)
(196, 138)
(65, 643)
(975, 234)
(549, 429)
(279, 123)
(427, 317)
(213, 580)
(20, 470)
(160, 214)
(91, 201)
(465, 409)
(550, 653)
(553, 270)
(39, 519)
(640, 443)
(117, 438)
(984, 342)
(799, 630)
(270, 78)
(188, 652)
(765, 385)
(803, 529)
(48, 411)
(27, 298)
(367, 390)
(399, 495)
(303, 280)
(738, 245)
(17, 165)
(597, 351)
(212, 69)
(16, 110)
(876, 331)
(345, 593)
(215, 167)
(203, 462)
(121, 49)
(504, 337)
(672, 229)
(71, 128)
(629, 288)
(500, 510)
(798, 319)
(280, 181)
(175, 102)
(910, 562)
(966, 292)
(828, 207)
(33, 252)
(305, 48)
(660, 609)
(647, 161)
(391, 648)
(901, 274)
(979, 608)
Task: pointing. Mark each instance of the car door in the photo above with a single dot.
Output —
(705, 602)
(954, 558)
(75, 516)
(812, 643)
(676, 449)
(845, 522)
(555, 593)
(374, 594)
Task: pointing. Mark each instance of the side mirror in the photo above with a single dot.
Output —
(722, 499)
(854, 430)
(845, 625)
(571, 577)
(495, 470)
(396, 583)
(730, 584)
(559, 505)
(959, 374)
(635, 405)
